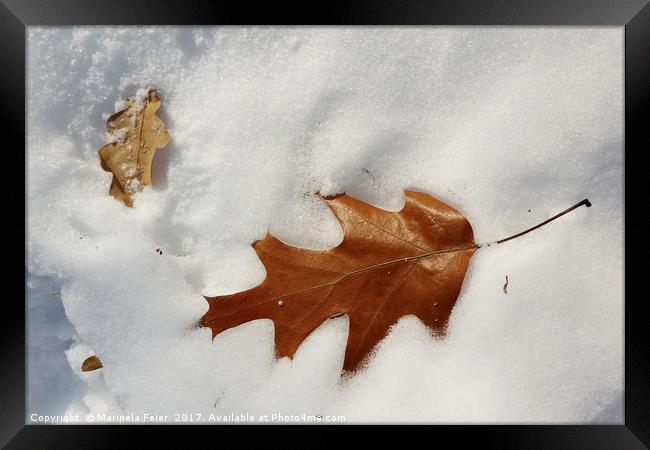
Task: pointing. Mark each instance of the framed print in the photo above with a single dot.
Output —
(367, 214)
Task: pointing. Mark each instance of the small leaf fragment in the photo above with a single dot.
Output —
(91, 363)
(138, 133)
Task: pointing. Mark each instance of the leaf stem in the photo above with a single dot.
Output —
(585, 202)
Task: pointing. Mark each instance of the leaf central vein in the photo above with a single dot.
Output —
(354, 272)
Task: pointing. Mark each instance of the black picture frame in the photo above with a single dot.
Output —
(634, 15)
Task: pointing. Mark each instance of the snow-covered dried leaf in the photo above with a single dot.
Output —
(137, 133)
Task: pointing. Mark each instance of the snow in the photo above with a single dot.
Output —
(494, 121)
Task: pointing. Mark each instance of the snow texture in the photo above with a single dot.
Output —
(509, 125)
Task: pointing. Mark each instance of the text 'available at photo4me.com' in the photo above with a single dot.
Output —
(198, 418)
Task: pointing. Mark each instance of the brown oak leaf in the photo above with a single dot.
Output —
(389, 264)
(137, 134)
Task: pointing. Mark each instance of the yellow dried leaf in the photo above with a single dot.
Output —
(137, 133)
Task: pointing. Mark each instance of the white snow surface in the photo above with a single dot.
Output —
(493, 121)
